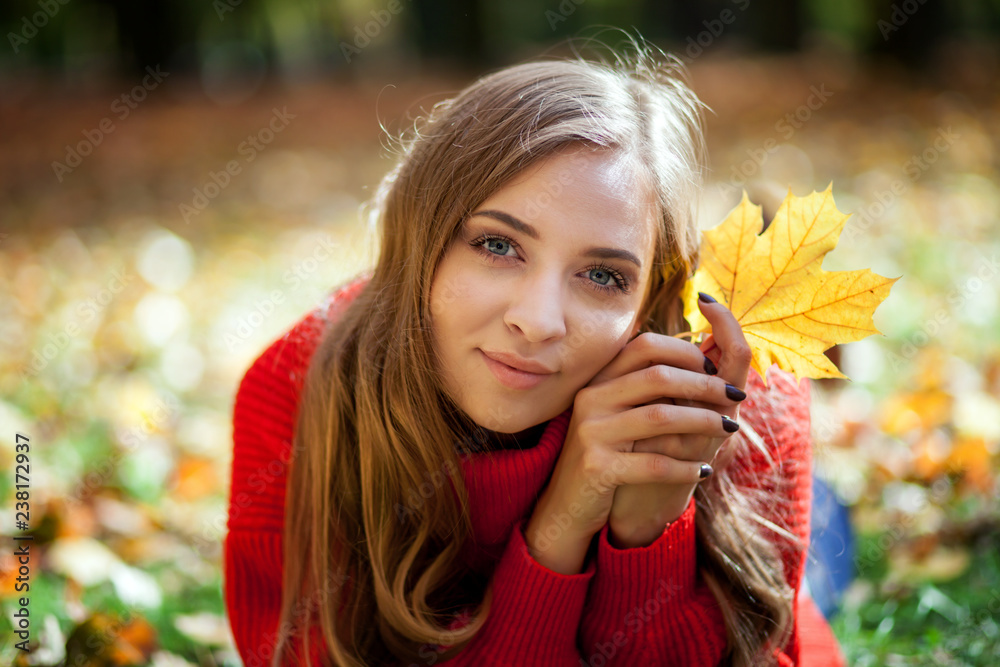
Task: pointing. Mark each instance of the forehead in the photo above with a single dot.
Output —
(605, 188)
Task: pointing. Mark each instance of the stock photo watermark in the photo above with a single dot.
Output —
(131, 438)
(22, 584)
(31, 25)
(560, 522)
(565, 9)
(302, 611)
(914, 167)
(427, 488)
(223, 7)
(635, 620)
(121, 108)
(901, 13)
(985, 270)
(899, 530)
(364, 34)
(249, 148)
(714, 28)
(267, 305)
(86, 311)
(786, 127)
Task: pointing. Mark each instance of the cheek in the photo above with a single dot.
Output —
(597, 339)
(462, 292)
(449, 289)
(457, 300)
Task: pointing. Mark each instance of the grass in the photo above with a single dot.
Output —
(947, 623)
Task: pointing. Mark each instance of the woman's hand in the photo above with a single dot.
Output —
(613, 413)
(640, 512)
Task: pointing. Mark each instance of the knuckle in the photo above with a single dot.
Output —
(713, 422)
(660, 374)
(706, 382)
(692, 390)
(740, 352)
(659, 413)
(645, 342)
(659, 466)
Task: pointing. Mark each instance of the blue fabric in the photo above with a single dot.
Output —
(830, 565)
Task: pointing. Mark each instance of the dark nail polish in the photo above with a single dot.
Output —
(735, 393)
(710, 367)
(706, 298)
(706, 470)
(730, 425)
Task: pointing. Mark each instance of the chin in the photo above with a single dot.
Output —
(509, 420)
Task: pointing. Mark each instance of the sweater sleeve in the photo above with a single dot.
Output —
(648, 605)
(535, 612)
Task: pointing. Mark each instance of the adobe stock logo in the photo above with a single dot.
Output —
(38, 20)
(87, 310)
(714, 28)
(250, 148)
(363, 35)
(122, 107)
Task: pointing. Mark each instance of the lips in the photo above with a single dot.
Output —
(514, 377)
(518, 363)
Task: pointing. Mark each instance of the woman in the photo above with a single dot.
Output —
(495, 450)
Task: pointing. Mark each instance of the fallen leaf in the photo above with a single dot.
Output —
(971, 458)
(790, 309)
(919, 410)
(930, 455)
(109, 640)
(194, 478)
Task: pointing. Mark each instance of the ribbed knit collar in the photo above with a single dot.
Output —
(503, 485)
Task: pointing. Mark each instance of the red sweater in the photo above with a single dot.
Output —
(638, 606)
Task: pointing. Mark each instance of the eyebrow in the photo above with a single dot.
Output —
(525, 228)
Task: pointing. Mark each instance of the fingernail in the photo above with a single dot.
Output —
(735, 393)
(705, 471)
(710, 367)
(706, 298)
(730, 425)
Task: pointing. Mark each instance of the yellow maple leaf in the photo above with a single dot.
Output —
(790, 309)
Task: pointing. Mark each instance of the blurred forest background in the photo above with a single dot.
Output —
(180, 181)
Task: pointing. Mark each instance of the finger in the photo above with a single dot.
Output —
(643, 468)
(681, 447)
(659, 382)
(671, 444)
(652, 348)
(727, 335)
(648, 421)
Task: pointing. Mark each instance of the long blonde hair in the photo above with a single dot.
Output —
(374, 422)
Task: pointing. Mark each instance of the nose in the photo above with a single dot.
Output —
(537, 310)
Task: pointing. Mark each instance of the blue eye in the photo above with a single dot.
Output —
(497, 244)
(601, 277)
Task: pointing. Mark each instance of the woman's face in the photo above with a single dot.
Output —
(548, 274)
